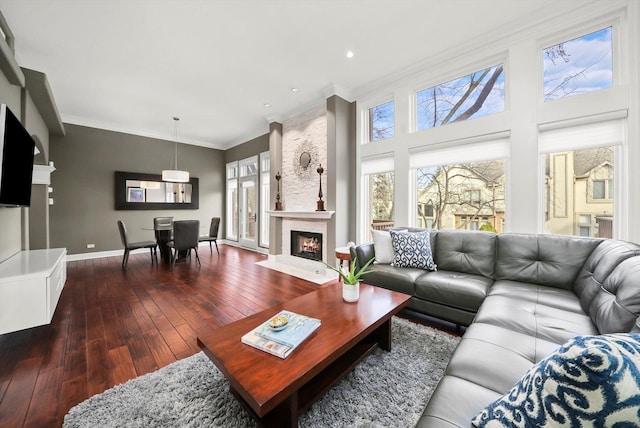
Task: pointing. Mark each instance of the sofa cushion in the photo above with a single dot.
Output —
(401, 280)
(616, 305)
(454, 402)
(589, 381)
(456, 289)
(493, 362)
(602, 261)
(551, 260)
(533, 318)
(471, 252)
(383, 246)
(412, 250)
(547, 296)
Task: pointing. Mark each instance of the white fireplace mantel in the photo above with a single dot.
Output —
(304, 215)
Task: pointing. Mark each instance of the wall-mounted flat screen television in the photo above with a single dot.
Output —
(16, 161)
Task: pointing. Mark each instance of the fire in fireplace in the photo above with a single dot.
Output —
(307, 245)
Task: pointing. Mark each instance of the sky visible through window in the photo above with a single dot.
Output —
(577, 66)
(474, 95)
(382, 121)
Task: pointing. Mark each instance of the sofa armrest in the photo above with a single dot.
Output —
(362, 254)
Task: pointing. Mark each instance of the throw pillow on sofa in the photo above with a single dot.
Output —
(412, 250)
(588, 381)
(382, 245)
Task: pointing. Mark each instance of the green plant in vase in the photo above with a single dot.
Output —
(351, 279)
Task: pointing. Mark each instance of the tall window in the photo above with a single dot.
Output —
(579, 180)
(474, 95)
(461, 187)
(579, 192)
(461, 196)
(265, 198)
(232, 201)
(577, 66)
(378, 189)
(381, 121)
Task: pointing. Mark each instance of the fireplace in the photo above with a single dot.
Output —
(307, 245)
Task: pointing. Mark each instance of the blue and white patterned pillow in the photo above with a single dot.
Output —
(412, 250)
(589, 381)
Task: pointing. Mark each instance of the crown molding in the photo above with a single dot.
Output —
(81, 121)
(340, 91)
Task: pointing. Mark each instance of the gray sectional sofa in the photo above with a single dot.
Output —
(521, 297)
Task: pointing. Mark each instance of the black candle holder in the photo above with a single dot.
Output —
(278, 203)
(320, 203)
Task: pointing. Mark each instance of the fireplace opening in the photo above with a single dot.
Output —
(307, 245)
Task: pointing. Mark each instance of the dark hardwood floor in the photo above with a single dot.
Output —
(111, 326)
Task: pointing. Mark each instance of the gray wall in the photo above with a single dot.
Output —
(15, 230)
(83, 186)
(250, 148)
(341, 153)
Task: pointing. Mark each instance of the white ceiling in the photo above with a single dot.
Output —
(131, 65)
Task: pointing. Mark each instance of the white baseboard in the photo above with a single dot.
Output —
(119, 253)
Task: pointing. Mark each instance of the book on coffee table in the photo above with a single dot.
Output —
(281, 342)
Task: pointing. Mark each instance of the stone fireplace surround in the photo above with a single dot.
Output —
(305, 221)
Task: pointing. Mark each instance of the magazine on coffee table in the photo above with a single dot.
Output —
(282, 340)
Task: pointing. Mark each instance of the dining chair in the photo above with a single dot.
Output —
(213, 234)
(163, 229)
(128, 246)
(185, 238)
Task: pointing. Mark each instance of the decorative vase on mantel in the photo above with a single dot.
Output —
(351, 292)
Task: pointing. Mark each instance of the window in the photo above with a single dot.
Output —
(381, 198)
(598, 189)
(378, 193)
(381, 121)
(463, 184)
(462, 196)
(475, 95)
(578, 181)
(577, 66)
(579, 165)
(232, 201)
(265, 198)
(472, 197)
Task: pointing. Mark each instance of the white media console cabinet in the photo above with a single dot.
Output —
(30, 285)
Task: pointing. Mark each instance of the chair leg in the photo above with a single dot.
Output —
(174, 256)
(125, 259)
(197, 257)
(217, 249)
(211, 248)
(151, 254)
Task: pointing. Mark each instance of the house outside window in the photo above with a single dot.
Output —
(579, 188)
(462, 196)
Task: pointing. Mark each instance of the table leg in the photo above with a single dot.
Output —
(384, 332)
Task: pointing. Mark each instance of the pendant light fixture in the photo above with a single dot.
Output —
(175, 175)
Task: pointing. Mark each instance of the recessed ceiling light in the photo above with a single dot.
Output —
(294, 89)
(349, 54)
(267, 105)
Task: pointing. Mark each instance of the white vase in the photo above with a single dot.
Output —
(350, 292)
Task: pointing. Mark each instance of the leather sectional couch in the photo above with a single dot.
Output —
(521, 297)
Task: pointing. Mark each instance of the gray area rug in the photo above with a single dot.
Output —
(387, 389)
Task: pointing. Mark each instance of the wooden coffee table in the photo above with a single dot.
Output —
(276, 390)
